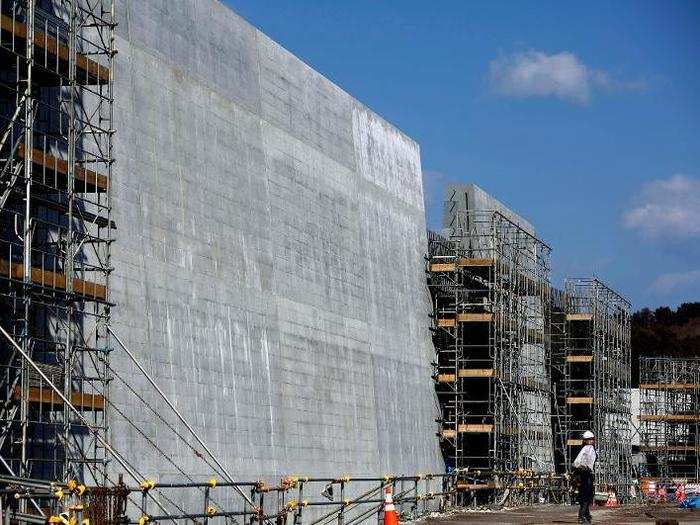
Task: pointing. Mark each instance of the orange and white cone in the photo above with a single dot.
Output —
(661, 494)
(680, 493)
(390, 515)
(612, 500)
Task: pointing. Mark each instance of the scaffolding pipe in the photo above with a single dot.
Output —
(223, 470)
(9, 469)
(72, 408)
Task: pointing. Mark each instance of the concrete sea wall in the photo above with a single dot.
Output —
(268, 268)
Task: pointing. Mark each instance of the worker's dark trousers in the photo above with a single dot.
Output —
(585, 494)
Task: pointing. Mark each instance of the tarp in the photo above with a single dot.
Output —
(691, 502)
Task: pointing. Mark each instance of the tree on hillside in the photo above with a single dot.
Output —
(665, 332)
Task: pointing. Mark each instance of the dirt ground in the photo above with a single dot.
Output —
(629, 514)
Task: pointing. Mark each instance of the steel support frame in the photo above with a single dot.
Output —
(593, 370)
(56, 233)
(489, 283)
(670, 417)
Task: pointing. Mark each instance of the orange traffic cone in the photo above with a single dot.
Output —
(390, 516)
(612, 501)
(680, 493)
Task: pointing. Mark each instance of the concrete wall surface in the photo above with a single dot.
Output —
(461, 197)
(268, 268)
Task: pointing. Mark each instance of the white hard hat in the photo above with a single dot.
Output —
(588, 435)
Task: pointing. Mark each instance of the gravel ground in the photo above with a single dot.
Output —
(629, 514)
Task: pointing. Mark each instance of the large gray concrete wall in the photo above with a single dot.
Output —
(268, 267)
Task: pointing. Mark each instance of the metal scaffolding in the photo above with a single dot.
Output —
(56, 113)
(670, 417)
(294, 500)
(489, 282)
(494, 318)
(592, 371)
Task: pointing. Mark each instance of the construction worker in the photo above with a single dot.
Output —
(583, 465)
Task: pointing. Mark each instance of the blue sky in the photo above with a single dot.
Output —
(583, 117)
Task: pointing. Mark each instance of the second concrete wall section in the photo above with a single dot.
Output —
(269, 263)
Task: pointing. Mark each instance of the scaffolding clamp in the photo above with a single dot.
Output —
(145, 518)
(58, 494)
(387, 478)
(289, 482)
(211, 510)
(147, 484)
(261, 486)
(212, 482)
(291, 505)
(62, 519)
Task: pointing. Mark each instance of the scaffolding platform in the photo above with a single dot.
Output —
(488, 279)
(53, 54)
(588, 400)
(669, 386)
(579, 358)
(80, 400)
(464, 318)
(591, 368)
(56, 161)
(465, 428)
(579, 317)
(53, 172)
(50, 279)
(670, 416)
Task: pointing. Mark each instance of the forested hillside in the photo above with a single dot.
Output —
(665, 332)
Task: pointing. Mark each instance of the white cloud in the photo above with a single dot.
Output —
(670, 282)
(668, 208)
(562, 75)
